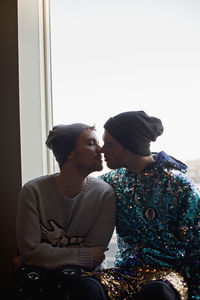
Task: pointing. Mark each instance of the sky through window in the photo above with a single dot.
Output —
(112, 56)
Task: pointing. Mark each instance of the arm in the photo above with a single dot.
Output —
(194, 256)
(190, 232)
(32, 250)
(103, 227)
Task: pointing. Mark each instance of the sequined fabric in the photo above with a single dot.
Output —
(126, 283)
(158, 219)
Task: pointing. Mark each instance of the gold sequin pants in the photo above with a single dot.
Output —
(126, 283)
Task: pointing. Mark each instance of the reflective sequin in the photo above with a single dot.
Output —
(126, 283)
(158, 217)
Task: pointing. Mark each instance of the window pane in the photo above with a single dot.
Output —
(111, 56)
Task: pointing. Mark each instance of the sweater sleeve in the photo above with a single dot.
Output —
(103, 227)
(32, 250)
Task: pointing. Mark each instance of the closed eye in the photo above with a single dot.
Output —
(91, 142)
(108, 145)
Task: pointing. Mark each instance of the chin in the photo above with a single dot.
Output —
(110, 165)
(98, 168)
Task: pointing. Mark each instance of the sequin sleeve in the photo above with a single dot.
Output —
(108, 177)
(112, 176)
(190, 217)
(164, 208)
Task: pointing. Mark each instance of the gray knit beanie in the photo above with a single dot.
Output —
(134, 130)
(62, 140)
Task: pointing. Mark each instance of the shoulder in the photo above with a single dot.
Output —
(180, 178)
(37, 182)
(101, 192)
(100, 185)
(181, 184)
(113, 175)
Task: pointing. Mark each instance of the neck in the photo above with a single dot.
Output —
(138, 163)
(70, 183)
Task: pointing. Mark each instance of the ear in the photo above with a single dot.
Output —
(70, 156)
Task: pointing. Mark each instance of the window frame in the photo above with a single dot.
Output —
(35, 92)
(35, 95)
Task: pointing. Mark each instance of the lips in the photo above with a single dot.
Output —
(99, 158)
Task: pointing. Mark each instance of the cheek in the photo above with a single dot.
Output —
(111, 154)
(108, 152)
(117, 156)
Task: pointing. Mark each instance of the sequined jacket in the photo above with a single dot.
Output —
(158, 219)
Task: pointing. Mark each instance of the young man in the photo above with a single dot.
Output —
(65, 220)
(158, 215)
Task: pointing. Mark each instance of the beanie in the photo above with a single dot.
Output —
(62, 140)
(134, 130)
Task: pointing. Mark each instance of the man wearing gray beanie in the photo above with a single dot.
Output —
(158, 215)
(65, 221)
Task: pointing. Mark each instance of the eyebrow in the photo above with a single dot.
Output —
(108, 143)
(92, 139)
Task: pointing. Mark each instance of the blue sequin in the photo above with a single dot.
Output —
(158, 219)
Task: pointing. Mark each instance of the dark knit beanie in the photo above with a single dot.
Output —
(62, 140)
(134, 130)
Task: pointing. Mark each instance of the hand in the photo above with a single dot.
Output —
(16, 263)
(98, 255)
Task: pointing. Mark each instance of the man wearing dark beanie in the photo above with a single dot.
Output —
(134, 130)
(158, 215)
(65, 221)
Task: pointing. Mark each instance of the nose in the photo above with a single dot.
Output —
(98, 149)
(101, 149)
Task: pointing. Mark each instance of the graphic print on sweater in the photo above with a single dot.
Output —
(57, 236)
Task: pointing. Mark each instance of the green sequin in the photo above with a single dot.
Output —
(158, 220)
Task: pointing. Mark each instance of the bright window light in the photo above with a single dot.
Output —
(112, 56)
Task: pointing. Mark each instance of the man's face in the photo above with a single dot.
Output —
(86, 155)
(114, 153)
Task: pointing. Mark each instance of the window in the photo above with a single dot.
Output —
(109, 56)
(113, 56)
